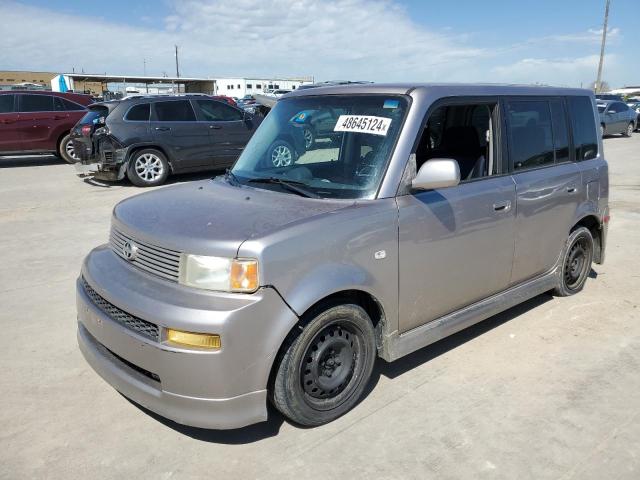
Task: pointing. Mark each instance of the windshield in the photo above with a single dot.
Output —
(601, 108)
(333, 146)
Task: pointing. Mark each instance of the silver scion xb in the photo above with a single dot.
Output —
(361, 221)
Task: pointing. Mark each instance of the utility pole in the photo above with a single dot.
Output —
(177, 67)
(604, 39)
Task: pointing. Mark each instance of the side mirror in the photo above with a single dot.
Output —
(437, 173)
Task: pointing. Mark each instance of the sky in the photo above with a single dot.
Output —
(553, 42)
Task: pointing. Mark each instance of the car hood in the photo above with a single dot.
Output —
(213, 217)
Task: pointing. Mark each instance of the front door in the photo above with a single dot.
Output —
(229, 132)
(456, 247)
(174, 126)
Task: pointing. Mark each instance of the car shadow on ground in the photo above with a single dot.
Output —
(271, 427)
(30, 161)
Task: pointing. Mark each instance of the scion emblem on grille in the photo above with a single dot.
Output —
(130, 250)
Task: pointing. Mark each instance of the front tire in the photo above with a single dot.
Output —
(323, 371)
(576, 263)
(66, 150)
(602, 130)
(148, 168)
(629, 131)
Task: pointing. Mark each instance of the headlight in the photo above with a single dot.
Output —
(218, 273)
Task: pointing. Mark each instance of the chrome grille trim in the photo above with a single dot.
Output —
(153, 259)
(141, 327)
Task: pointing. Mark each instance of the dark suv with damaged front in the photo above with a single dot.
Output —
(147, 138)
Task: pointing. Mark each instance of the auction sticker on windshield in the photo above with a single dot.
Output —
(363, 124)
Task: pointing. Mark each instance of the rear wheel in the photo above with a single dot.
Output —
(629, 131)
(576, 263)
(324, 370)
(66, 150)
(148, 168)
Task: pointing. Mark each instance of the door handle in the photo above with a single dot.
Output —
(163, 129)
(215, 127)
(572, 190)
(502, 206)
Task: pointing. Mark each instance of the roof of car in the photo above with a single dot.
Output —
(442, 89)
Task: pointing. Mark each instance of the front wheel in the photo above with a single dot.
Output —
(629, 131)
(323, 372)
(148, 168)
(66, 150)
(576, 262)
(602, 130)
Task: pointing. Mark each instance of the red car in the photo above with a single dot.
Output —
(39, 121)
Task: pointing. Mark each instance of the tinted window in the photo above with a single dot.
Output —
(62, 105)
(36, 103)
(560, 133)
(620, 107)
(6, 103)
(176, 111)
(94, 115)
(530, 136)
(584, 128)
(139, 113)
(217, 111)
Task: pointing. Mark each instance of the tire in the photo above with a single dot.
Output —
(65, 149)
(148, 168)
(602, 130)
(629, 131)
(281, 154)
(323, 371)
(309, 138)
(576, 263)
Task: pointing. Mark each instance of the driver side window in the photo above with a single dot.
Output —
(465, 133)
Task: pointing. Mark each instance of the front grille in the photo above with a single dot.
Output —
(108, 157)
(142, 327)
(157, 260)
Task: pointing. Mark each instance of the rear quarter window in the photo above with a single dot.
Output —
(583, 123)
(138, 113)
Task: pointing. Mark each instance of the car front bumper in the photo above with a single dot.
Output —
(225, 388)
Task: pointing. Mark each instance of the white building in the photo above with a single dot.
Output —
(239, 87)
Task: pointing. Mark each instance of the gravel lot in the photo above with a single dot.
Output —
(549, 389)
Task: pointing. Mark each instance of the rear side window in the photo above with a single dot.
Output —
(584, 128)
(175, 111)
(530, 134)
(217, 111)
(36, 103)
(6, 103)
(62, 105)
(138, 113)
(560, 131)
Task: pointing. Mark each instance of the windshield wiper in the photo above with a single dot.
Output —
(230, 177)
(291, 185)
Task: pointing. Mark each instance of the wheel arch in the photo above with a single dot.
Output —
(368, 302)
(594, 225)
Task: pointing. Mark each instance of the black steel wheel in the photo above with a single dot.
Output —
(576, 264)
(323, 371)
